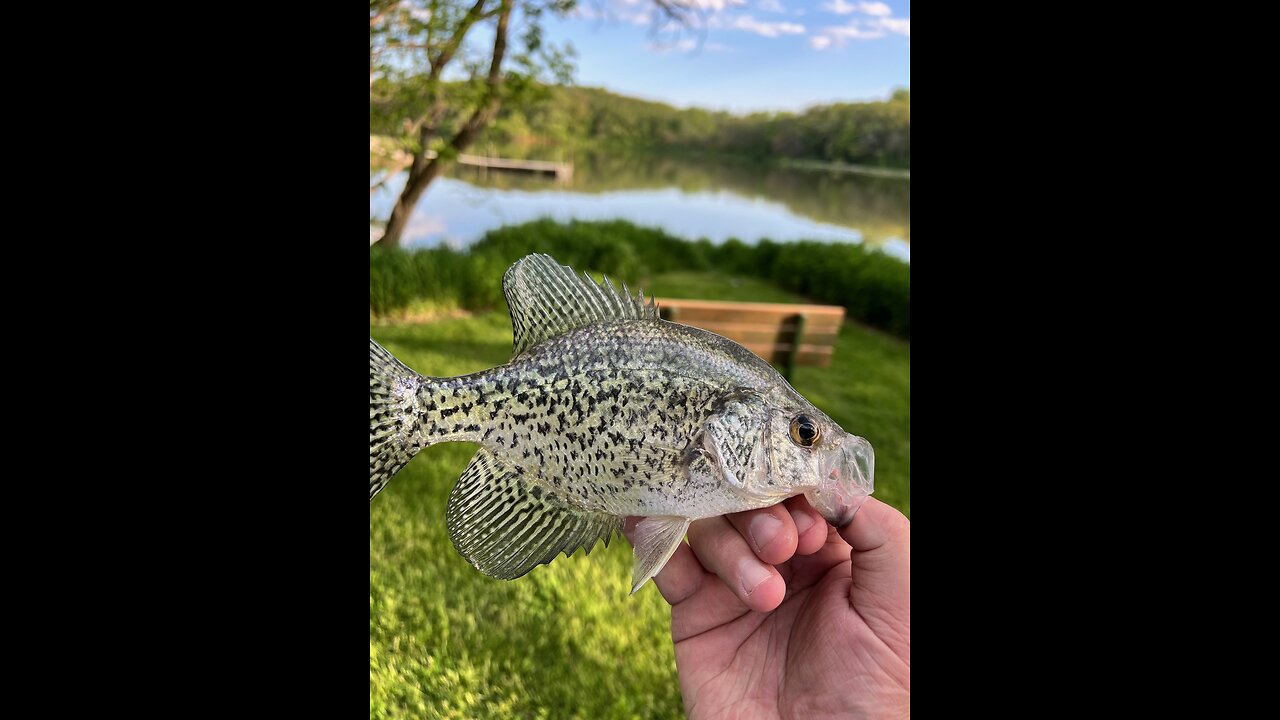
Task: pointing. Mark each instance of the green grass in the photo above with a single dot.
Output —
(872, 287)
(716, 286)
(566, 640)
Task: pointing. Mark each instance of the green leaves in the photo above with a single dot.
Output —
(874, 133)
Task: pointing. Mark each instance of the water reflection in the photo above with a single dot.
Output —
(691, 199)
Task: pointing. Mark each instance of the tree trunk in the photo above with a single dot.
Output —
(425, 171)
(414, 187)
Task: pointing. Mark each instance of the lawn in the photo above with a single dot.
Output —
(566, 640)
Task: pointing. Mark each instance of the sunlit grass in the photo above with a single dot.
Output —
(717, 286)
(566, 640)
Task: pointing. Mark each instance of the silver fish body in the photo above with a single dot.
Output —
(607, 411)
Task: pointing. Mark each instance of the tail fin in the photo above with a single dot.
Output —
(393, 422)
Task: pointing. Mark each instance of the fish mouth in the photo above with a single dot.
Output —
(848, 478)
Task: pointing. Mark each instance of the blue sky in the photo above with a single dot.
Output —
(749, 54)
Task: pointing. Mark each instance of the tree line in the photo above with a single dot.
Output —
(581, 118)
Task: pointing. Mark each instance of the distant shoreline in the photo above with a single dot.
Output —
(384, 150)
(845, 168)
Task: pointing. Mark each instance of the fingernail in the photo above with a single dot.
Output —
(803, 521)
(763, 529)
(753, 574)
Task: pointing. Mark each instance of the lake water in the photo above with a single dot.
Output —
(687, 198)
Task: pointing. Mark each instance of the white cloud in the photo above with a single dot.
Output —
(626, 11)
(687, 45)
(860, 29)
(717, 5)
(642, 12)
(771, 6)
(840, 7)
(901, 26)
(767, 29)
(855, 32)
(640, 17)
(604, 7)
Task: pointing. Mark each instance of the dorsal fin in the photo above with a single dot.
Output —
(549, 299)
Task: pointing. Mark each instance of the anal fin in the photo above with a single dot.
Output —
(655, 540)
(505, 526)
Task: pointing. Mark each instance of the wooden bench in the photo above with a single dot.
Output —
(784, 334)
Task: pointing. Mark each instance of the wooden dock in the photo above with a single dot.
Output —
(560, 171)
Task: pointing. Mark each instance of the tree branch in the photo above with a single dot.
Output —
(390, 173)
(382, 14)
(450, 48)
(426, 127)
(484, 113)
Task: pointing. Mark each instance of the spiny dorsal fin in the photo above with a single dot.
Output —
(549, 299)
(505, 527)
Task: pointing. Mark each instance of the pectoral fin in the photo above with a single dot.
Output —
(655, 539)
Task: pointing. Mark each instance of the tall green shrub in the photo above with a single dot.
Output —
(875, 288)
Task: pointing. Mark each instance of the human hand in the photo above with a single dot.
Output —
(776, 614)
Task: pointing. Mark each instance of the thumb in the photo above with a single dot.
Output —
(881, 587)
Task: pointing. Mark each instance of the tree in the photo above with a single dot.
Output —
(402, 36)
(416, 42)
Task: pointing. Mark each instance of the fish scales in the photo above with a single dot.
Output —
(605, 412)
(600, 417)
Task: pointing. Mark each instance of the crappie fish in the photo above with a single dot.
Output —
(607, 411)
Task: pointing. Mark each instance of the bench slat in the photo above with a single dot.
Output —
(730, 329)
(784, 332)
(771, 308)
(827, 324)
(699, 316)
(766, 329)
(818, 357)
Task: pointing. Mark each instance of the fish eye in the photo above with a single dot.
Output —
(804, 431)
